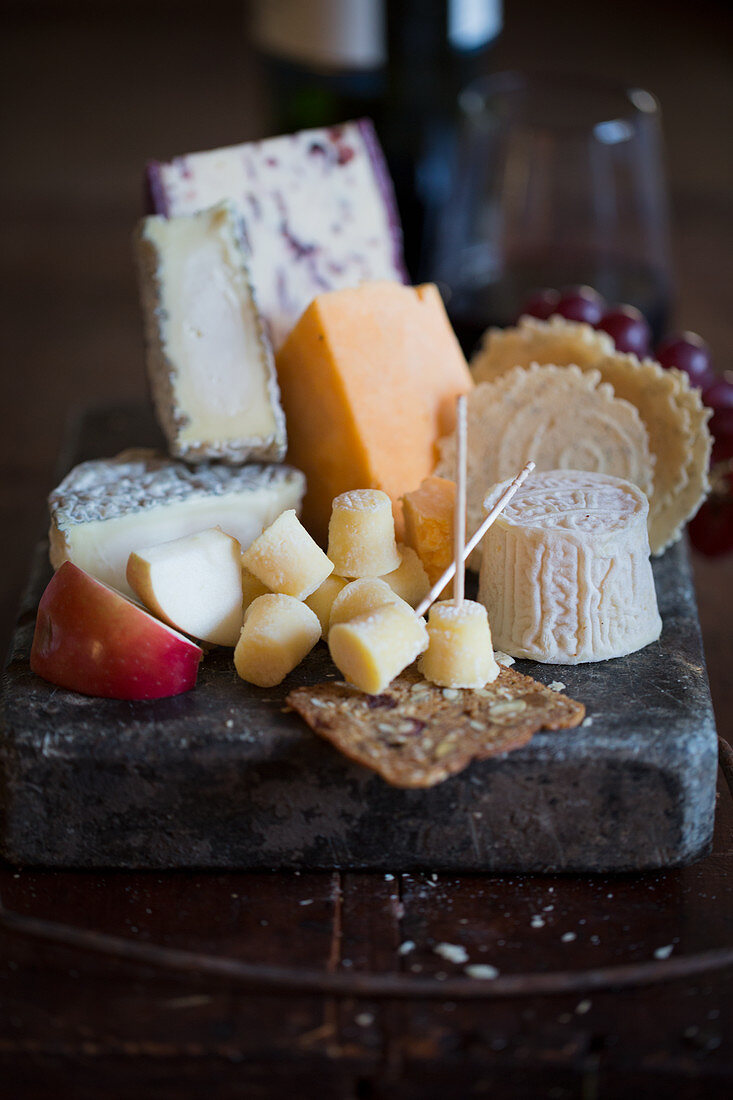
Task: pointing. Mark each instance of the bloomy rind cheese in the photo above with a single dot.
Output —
(565, 573)
(106, 508)
(186, 368)
(318, 208)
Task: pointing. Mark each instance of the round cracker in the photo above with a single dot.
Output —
(555, 341)
(676, 420)
(561, 418)
(670, 407)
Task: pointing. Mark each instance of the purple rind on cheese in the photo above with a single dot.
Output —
(154, 198)
(386, 187)
(318, 206)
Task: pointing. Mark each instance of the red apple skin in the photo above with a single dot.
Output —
(92, 639)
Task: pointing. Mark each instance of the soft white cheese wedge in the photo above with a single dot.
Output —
(209, 360)
(104, 510)
(565, 571)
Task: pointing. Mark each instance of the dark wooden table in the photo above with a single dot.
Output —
(90, 93)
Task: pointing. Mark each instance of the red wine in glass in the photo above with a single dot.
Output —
(555, 181)
(473, 310)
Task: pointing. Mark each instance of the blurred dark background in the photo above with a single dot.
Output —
(93, 90)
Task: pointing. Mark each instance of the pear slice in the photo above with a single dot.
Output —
(193, 583)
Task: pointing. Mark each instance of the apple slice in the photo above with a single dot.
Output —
(92, 639)
(193, 583)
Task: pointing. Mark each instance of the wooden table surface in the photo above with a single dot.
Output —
(90, 92)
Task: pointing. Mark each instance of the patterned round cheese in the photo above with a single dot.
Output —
(565, 573)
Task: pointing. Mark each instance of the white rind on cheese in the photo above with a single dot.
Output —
(565, 572)
(210, 362)
(318, 209)
(105, 509)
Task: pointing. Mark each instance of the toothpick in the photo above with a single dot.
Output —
(475, 538)
(459, 511)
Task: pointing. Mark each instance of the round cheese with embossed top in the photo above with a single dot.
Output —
(565, 572)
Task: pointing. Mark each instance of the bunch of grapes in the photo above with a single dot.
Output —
(711, 531)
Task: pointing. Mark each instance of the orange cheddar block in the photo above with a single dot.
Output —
(368, 378)
(428, 515)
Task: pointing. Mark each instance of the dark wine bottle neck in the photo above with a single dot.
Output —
(433, 50)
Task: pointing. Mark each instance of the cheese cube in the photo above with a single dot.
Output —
(321, 601)
(359, 598)
(459, 653)
(210, 363)
(369, 379)
(409, 580)
(372, 649)
(428, 513)
(317, 205)
(106, 508)
(286, 559)
(252, 587)
(277, 634)
(361, 535)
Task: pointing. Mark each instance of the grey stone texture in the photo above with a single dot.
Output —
(222, 778)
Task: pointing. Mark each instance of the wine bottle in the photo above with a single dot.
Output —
(400, 62)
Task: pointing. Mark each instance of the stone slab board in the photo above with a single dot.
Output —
(222, 777)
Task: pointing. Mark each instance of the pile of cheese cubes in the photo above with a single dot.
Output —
(360, 597)
(274, 602)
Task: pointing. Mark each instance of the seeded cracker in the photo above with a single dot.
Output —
(416, 734)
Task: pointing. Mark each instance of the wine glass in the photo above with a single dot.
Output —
(555, 181)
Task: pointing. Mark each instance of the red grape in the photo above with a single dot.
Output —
(711, 530)
(721, 422)
(688, 352)
(719, 394)
(542, 304)
(581, 303)
(628, 329)
(722, 447)
(721, 427)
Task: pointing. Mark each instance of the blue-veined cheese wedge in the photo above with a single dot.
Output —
(565, 571)
(318, 208)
